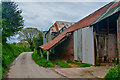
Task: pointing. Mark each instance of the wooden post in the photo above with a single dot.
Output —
(118, 38)
(47, 55)
(41, 52)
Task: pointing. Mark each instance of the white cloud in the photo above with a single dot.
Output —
(43, 14)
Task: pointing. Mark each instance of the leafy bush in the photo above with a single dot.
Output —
(79, 64)
(41, 61)
(9, 53)
(114, 73)
(62, 64)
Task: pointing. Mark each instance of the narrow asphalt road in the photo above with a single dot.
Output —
(25, 67)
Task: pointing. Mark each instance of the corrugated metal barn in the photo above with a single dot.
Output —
(96, 38)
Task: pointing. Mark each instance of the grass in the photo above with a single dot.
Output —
(62, 64)
(114, 73)
(79, 64)
(41, 61)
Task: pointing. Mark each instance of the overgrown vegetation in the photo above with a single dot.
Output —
(79, 64)
(41, 61)
(62, 64)
(9, 53)
(114, 73)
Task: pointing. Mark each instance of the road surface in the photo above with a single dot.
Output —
(25, 67)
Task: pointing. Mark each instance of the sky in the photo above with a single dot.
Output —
(43, 15)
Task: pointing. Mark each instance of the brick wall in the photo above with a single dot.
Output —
(65, 50)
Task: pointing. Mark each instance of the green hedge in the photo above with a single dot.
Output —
(9, 53)
(41, 61)
(114, 73)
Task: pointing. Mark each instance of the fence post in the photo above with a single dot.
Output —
(47, 55)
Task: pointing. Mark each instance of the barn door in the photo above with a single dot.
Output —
(112, 47)
(102, 48)
(107, 48)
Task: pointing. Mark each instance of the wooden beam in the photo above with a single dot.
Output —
(47, 55)
(118, 38)
(94, 48)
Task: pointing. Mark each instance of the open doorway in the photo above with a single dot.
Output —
(106, 40)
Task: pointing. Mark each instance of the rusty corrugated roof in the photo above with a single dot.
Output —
(80, 24)
(58, 25)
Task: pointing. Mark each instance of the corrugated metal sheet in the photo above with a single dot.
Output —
(114, 8)
(81, 24)
(58, 25)
(87, 45)
(84, 45)
(78, 45)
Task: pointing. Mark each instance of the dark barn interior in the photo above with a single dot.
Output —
(106, 50)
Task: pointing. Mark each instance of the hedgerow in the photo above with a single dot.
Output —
(9, 53)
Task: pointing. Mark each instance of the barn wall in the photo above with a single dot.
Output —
(65, 50)
(84, 45)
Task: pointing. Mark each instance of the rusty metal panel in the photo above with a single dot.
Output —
(58, 25)
(88, 45)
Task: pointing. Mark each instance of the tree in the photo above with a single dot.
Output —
(12, 20)
(28, 34)
(38, 41)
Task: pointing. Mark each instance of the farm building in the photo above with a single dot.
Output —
(56, 29)
(96, 38)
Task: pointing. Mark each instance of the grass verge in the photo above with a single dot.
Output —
(79, 64)
(41, 61)
(62, 64)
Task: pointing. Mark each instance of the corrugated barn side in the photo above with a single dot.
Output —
(84, 45)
